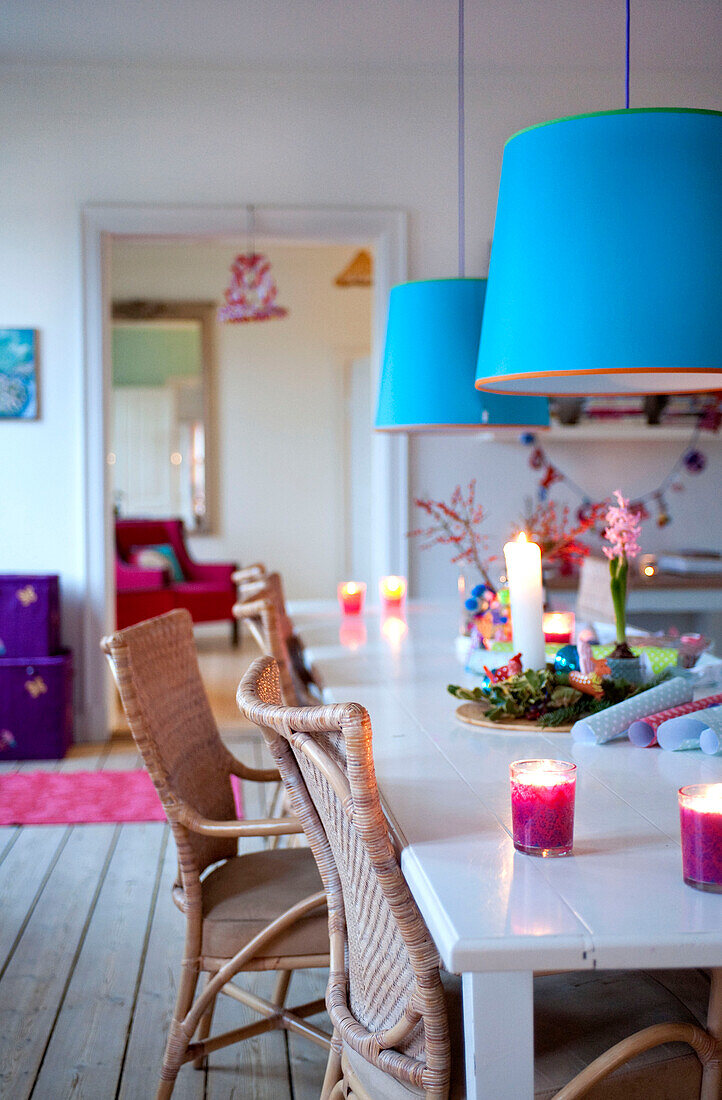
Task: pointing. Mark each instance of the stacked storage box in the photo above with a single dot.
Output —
(36, 674)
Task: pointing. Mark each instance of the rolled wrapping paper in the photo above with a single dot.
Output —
(684, 732)
(644, 732)
(711, 742)
(710, 739)
(614, 722)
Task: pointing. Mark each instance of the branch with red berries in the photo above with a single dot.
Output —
(456, 524)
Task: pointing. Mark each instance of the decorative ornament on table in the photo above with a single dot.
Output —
(622, 531)
(488, 619)
(567, 659)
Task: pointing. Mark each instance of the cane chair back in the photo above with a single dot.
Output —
(384, 996)
(156, 669)
(262, 605)
(260, 910)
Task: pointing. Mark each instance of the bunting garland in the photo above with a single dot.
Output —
(691, 461)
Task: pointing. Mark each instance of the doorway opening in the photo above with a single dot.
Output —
(322, 451)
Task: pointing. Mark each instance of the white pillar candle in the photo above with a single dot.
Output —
(524, 575)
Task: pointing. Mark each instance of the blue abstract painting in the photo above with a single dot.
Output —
(18, 374)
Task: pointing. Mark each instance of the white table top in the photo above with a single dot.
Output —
(619, 901)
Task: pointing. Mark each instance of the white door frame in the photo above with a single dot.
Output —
(385, 229)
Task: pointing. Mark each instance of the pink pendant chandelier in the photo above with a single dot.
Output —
(251, 292)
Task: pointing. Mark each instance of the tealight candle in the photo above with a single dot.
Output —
(542, 806)
(351, 597)
(558, 627)
(700, 818)
(526, 597)
(392, 591)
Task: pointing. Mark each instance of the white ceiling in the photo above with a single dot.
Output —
(521, 34)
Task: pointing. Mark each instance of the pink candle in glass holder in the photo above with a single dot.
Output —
(700, 818)
(393, 592)
(351, 597)
(558, 627)
(542, 806)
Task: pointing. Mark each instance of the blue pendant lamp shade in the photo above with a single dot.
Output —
(427, 382)
(606, 267)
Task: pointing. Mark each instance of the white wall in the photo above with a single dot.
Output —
(279, 424)
(505, 480)
(73, 134)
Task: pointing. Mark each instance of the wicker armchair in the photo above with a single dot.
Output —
(396, 1018)
(262, 606)
(261, 910)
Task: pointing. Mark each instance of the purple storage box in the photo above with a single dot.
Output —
(29, 615)
(36, 707)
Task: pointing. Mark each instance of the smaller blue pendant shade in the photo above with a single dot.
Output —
(427, 382)
(606, 266)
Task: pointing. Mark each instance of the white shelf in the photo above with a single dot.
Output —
(605, 433)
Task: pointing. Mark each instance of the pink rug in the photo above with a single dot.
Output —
(74, 798)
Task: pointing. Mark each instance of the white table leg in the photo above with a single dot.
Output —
(499, 1035)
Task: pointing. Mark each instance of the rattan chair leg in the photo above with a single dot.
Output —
(177, 1043)
(712, 1070)
(280, 990)
(333, 1075)
(204, 1028)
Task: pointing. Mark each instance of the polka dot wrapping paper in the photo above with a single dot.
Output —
(643, 732)
(614, 722)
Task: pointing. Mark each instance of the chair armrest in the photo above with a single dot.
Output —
(261, 826)
(255, 572)
(256, 775)
(249, 609)
(132, 577)
(215, 572)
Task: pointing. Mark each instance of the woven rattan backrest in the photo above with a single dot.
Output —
(263, 599)
(156, 670)
(385, 969)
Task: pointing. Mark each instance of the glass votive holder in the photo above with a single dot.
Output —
(558, 627)
(393, 592)
(351, 595)
(542, 806)
(700, 819)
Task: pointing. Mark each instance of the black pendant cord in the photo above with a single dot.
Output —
(626, 72)
(462, 233)
(251, 229)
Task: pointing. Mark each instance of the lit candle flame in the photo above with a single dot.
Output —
(393, 588)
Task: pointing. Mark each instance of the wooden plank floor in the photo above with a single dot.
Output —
(90, 947)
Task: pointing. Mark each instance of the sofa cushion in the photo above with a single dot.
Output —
(160, 556)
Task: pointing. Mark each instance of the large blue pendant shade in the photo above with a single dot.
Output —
(427, 382)
(606, 266)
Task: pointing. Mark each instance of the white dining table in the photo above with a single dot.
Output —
(496, 915)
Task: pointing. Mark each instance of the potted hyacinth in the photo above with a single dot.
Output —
(622, 531)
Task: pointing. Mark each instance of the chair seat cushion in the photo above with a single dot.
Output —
(578, 1016)
(247, 892)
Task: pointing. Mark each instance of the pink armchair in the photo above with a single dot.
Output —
(206, 589)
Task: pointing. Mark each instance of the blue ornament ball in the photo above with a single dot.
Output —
(471, 604)
(478, 590)
(567, 659)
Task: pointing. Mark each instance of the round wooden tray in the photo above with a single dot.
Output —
(473, 714)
